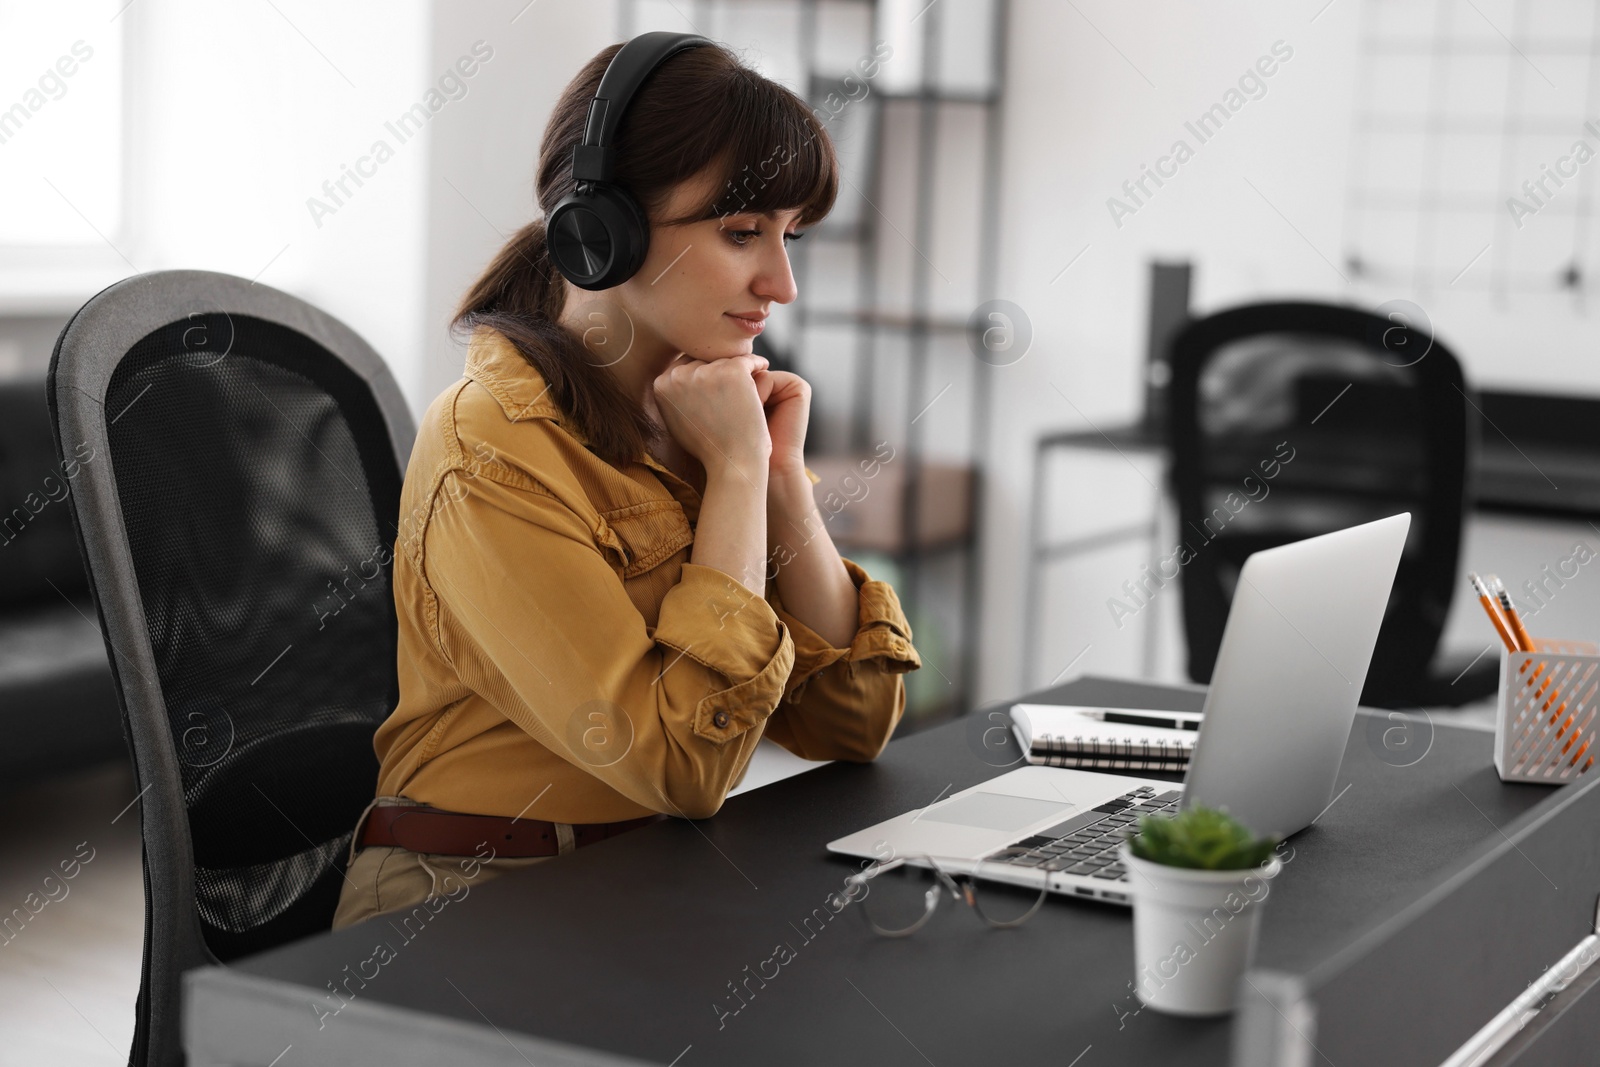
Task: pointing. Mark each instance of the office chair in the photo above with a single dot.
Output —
(1288, 420)
(236, 458)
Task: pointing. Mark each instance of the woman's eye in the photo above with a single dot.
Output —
(742, 237)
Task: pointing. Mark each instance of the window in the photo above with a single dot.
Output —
(61, 128)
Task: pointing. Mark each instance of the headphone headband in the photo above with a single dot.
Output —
(595, 158)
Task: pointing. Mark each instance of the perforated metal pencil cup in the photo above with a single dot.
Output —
(1545, 723)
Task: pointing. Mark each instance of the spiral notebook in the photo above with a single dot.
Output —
(1055, 735)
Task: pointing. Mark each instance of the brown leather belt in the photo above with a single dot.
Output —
(423, 829)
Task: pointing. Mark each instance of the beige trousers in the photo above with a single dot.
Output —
(380, 879)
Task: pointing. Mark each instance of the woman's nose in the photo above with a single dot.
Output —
(776, 280)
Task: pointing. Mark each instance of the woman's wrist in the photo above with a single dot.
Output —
(789, 497)
(812, 581)
(731, 535)
(751, 470)
(787, 465)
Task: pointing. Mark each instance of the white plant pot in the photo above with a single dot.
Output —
(1194, 932)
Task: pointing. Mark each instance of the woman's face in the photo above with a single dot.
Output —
(698, 277)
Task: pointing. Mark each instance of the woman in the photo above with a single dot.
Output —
(611, 576)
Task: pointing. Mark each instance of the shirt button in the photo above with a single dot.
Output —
(720, 718)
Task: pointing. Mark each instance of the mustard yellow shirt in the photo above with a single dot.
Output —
(560, 658)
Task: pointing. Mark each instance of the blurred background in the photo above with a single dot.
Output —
(1038, 196)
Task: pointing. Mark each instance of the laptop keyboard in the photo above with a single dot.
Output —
(1088, 843)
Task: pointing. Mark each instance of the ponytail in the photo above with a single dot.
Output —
(521, 296)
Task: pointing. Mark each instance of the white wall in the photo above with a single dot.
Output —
(485, 147)
(235, 117)
(238, 114)
(1094, 90)
(1080, 120)
(263, 108)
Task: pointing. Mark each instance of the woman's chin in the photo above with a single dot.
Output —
(725, 350)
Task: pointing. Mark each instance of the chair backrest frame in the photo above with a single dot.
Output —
(87, 354)
(1448, 440)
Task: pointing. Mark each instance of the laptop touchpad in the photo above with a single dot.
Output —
(995, 811)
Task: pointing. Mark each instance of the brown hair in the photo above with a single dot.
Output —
(701, 108)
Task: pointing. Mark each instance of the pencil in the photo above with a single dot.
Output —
(1519, 632)
(1515, 620)
(1526, 641)
(1493, 612)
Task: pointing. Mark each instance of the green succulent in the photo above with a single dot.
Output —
(1200, 837)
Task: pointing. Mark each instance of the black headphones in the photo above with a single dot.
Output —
(598, 234)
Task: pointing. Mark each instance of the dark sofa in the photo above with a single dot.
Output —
(58, 703)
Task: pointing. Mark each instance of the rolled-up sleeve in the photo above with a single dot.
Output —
(844, 703)
(533, 615)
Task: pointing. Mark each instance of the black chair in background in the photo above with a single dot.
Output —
(237, 518)
(1288, 420)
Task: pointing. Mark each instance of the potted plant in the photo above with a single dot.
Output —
(1198, 880)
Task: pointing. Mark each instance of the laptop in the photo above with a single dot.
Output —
(1294, 656)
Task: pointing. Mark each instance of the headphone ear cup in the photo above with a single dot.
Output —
(598, 239)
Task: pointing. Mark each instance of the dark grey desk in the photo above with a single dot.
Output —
(628, 947)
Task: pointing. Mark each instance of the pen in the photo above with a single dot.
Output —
(1144, 718)
(1493, 612)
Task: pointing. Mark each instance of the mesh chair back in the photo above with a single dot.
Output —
(240, 457)
(1289, 420)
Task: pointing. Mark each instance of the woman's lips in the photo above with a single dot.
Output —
(752, 326)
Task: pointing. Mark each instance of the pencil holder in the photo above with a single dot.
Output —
(1545, 723)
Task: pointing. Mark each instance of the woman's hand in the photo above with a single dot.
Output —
(786, 399)
(713, 409)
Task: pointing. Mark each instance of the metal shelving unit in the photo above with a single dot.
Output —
(891, 344)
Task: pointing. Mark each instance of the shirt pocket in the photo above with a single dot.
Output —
(639, 537)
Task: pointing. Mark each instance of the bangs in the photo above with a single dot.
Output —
(771, 154)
